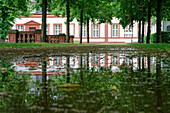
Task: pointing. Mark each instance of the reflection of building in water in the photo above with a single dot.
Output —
(95, 59)
(57, 64)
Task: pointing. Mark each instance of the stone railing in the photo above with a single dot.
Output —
(27, 37)
(61, 38)
(15, 36)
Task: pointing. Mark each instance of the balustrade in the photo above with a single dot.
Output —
(35, 36)
(52, 38)
(26, 37)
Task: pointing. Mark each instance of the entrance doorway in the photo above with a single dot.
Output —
(32, 28)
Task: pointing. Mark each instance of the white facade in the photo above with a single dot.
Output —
(164, 26)
(104, 33)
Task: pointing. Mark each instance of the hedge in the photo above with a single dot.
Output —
(165, 35)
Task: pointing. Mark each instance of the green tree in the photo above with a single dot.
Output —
(63, 7)
(149, 21)
(128, 11)
(98, 11)
(45, 7)
(44, 18)
(162, 13)
(9, 11)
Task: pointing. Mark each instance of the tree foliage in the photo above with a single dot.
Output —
(9, 11)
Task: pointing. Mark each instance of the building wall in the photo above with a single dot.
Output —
(164, 25)
(75, 28)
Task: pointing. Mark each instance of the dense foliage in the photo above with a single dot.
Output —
(9, 11)
(165, 37)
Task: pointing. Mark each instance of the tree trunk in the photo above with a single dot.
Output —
(139, 37)
(158, 14)
(81, 26)
(148, 63)
(81, 67)
(88, 61)
(159, 84)
(143, 29)
(68, 68)
(149, 21)
(44, 81)
(87, 30)
(143, 63)
(68, 22)
(139, 64)
(44, 14)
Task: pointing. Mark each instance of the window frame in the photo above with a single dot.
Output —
(18, 27)
(128, 32)
(54, 28)
(84, 31)
(92, 31)
(57, 29)
(113, 29)
(95, 30)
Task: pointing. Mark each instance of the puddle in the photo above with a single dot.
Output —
(112, 81)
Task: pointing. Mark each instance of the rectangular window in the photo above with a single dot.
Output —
(114, 30)
(46, 29)
(128, 31)
(95, 30)
(84, 31)
(57, 29)
(20, 27)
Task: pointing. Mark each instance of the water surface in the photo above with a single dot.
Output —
(114, 81)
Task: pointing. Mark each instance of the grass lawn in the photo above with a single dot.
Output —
(140, 46)
(25, 45)
(159, 46)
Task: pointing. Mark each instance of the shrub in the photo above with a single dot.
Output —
(165, 35)
(153, 38)
(145, 37)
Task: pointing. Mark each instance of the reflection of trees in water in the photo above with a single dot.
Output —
(44, 82)
(115, 58)
(81, 66)
(148, 64)
(143, 63)
(135, 93)
(68, 69)
(87, 61)
(96, 59)
(139, 60)
(141, 92)
(159, 83)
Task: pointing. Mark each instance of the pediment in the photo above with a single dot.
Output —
(32, 23)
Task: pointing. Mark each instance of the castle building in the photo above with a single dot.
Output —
(98, 33)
